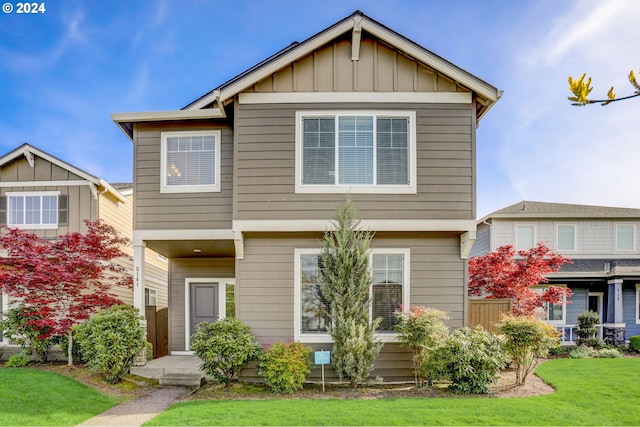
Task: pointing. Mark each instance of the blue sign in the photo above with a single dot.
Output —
(322, 357)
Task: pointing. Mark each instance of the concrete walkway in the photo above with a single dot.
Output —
(141, 409)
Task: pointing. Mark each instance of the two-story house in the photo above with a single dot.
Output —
(602, 243)
(49, 197)
(237, 188)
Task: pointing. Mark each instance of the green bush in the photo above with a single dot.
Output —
(149, 348)
(422, 329)
(285, 366)
(36, 341)
(471, 359)
(581, 352)
(634, 343)
(587, 331)
(225, 347)
(111, 339)
(17, 361)
(526, 339)
(608, 353)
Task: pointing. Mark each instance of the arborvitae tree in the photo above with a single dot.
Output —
(346, 280)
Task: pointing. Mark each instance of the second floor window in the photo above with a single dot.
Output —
(625, 237)
(33, 210)
(525, 237)
(566, 237)
(190, 162)
(356, 152)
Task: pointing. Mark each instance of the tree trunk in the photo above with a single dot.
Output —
(70, 349)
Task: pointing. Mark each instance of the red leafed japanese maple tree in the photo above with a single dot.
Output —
(502, 274)
(65, 280)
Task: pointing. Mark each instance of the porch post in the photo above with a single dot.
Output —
(614, 328)
(138, 276)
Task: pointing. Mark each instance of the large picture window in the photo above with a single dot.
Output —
(33, 210)
(356, 152)
(190, 162)
(389, 292)
(554, 314)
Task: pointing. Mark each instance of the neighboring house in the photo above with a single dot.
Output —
(49, 197)
(603, 244)
(237, 188)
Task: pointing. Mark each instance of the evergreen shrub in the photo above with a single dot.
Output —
(285, 366)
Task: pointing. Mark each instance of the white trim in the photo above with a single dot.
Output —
(151, 116)
(222, 307)
(365, 97)
(634, 236)
(410, 188)
(563, 321)
(600, 296)
(515, 234)
(40, 194)
(140, 236)
(323, 338)
(44, 183)
(209, 188)
(575, 236)
(297, 225)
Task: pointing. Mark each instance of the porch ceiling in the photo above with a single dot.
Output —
(190, 248)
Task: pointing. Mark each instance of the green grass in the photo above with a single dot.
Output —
(589, 392)
(33, 397)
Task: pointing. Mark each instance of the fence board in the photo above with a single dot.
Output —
(486, 312)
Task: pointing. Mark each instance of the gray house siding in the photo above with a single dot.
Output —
(179, 270)
(165, 211)
(265, 136)
(630, 310)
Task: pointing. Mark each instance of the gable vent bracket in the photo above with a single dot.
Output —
(29, 156)
(220, 103)
(355, 38)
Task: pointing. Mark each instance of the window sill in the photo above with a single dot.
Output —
(391, 337)
(356, 189)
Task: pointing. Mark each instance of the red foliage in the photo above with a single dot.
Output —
(64, 280)
(500, 274)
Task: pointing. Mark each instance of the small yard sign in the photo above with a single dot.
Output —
(322, 357)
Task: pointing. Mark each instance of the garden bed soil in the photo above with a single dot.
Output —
(133, 386)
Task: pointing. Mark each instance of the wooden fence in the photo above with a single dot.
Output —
(486, 312)
(158, 330)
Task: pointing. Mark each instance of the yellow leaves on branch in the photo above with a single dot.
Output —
(581, 89)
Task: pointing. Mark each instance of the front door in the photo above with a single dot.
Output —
(204, 303)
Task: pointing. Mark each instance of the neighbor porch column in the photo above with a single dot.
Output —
(614, 328)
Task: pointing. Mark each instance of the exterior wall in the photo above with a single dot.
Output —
(120, 216)
(157, 211)
(593, 237)
(629, 309)
(179, 270)
(482, 245)
(81, 203)
(265, 285)
(379, 68)
(265, 179)
(577, 304)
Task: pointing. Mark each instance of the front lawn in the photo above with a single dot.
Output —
(589, 392)
(35, 397)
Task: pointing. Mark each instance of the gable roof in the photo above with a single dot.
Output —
(211, 104)
(29, 151)
(530, 209)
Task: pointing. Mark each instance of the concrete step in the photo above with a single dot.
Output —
(189, 380)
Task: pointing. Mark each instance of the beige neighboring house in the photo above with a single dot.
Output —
(236, 188)
(49, 197)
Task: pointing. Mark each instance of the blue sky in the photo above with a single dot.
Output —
(63, 72)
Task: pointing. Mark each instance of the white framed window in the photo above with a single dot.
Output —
(566, 237)
(525, 236)
(625, 237)
(389, 293)
(190, 162)
(554, 314)
(150, 296)
(33, 210)
(356, 152)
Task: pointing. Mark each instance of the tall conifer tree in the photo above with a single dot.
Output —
(346, 280)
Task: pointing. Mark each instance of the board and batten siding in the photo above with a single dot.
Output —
(166, 211)
(379, 68)
(179, 270)
(265, 174)
(81, 204)
(265, 285)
